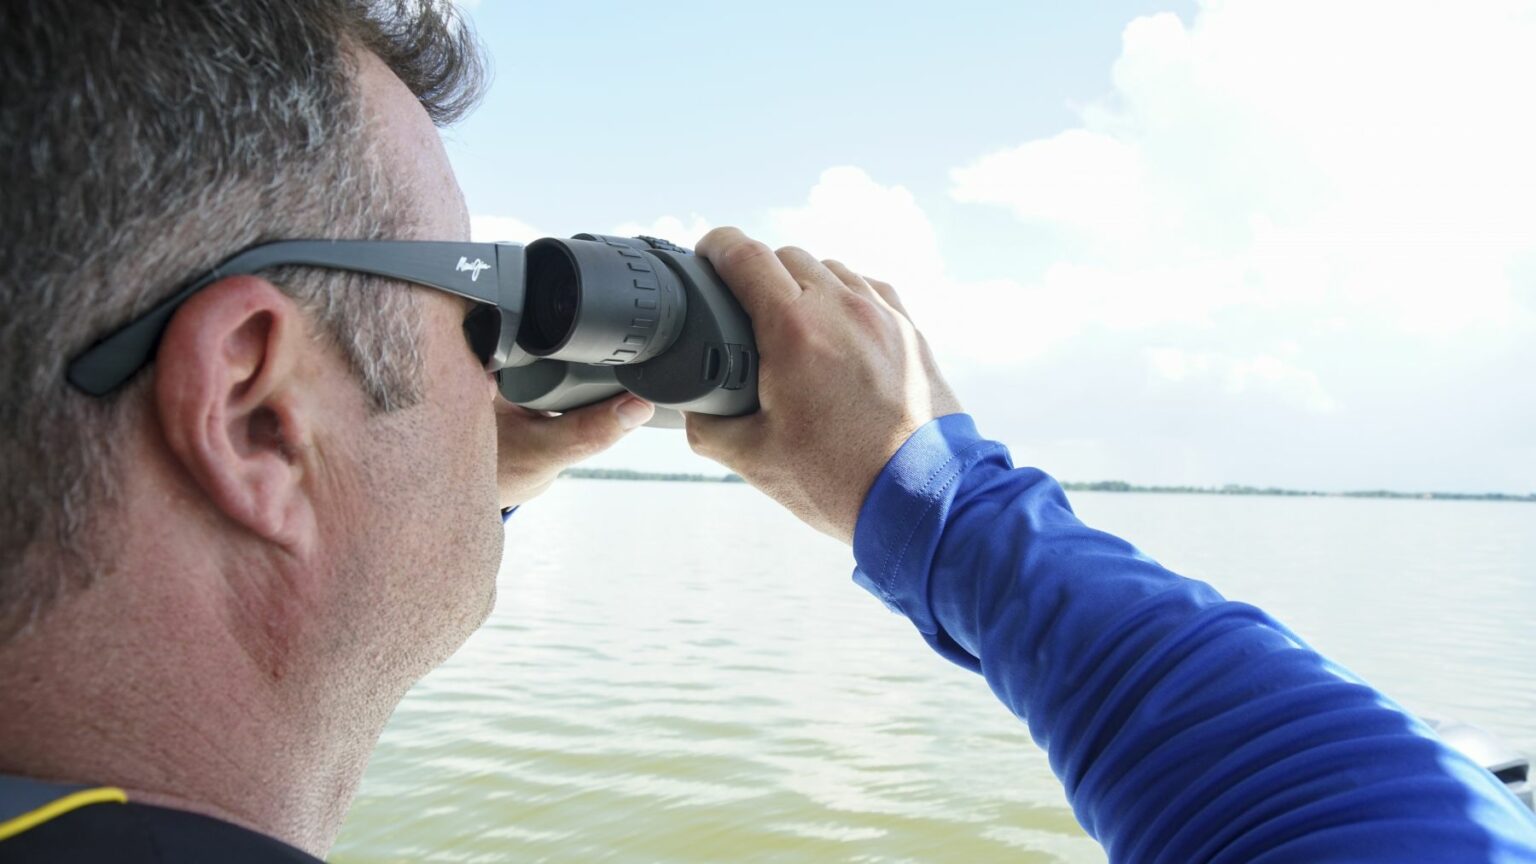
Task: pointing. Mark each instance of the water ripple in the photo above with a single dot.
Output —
(699, 695)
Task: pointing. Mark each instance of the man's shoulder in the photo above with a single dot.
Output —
(132, 832)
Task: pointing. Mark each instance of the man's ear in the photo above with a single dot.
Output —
(230, 395)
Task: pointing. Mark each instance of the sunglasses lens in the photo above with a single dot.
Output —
(482, 328)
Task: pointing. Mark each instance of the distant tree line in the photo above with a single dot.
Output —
(626, 474)
(1098, 486)
(1440, 496)
(1234, 489)
(1229, 489)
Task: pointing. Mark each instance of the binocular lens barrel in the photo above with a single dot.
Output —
(601, 315)
(598, 301)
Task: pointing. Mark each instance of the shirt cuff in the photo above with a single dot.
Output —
(904, 513)
(506, 513)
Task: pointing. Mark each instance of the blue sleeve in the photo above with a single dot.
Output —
(506, 513)
(1185, 727)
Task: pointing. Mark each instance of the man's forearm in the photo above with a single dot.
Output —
(1185, 727)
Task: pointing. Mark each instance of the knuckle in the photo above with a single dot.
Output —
(793, 257)
(708, 447)
(886, 292)
(696, 441)
(866, 313)
(744, 253)
(718, 235)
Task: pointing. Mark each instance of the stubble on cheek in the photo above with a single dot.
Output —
(479, 497)
(496, 535)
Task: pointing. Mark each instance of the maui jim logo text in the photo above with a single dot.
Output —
(474, 267)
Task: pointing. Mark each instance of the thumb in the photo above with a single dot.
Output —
(591, 429)
(723, 439)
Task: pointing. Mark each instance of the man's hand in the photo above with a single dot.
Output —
(533, 448)
(843, 381)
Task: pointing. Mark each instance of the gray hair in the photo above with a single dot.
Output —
(144, 141)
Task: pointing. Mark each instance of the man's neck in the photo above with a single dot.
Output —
(175, 712)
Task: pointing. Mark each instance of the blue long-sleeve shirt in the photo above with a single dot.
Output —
(1185, 727)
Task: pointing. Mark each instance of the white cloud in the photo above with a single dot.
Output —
(487, 228)
(876, 230)
(1085, 179)
(1360, 156)
(1295, 245)
(881, 231)
(682, 232)
(1317, 211)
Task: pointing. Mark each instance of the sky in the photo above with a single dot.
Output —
(1264, 242)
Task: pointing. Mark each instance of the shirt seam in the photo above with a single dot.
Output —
(950, 472)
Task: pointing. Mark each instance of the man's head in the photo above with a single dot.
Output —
(311, 458)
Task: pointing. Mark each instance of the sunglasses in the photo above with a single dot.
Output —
(490, 274)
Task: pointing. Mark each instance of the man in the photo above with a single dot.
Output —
(219, 580)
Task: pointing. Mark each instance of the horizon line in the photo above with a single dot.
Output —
(1118, 486)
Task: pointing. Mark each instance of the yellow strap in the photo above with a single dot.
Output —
(55, 809)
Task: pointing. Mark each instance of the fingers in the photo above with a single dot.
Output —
(764, 280)
(809, 272)
(871, 288)
(888, 294)
(752, 271)
(854, 281)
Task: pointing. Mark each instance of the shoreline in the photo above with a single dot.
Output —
(1097, 486)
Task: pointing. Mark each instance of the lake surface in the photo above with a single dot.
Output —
(680, 672)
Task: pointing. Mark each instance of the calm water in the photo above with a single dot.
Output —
(680, 672)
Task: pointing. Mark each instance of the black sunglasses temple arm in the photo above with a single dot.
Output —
(489, 273)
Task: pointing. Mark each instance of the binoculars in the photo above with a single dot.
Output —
(602, 315)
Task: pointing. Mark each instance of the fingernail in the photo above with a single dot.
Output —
(634, 412)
